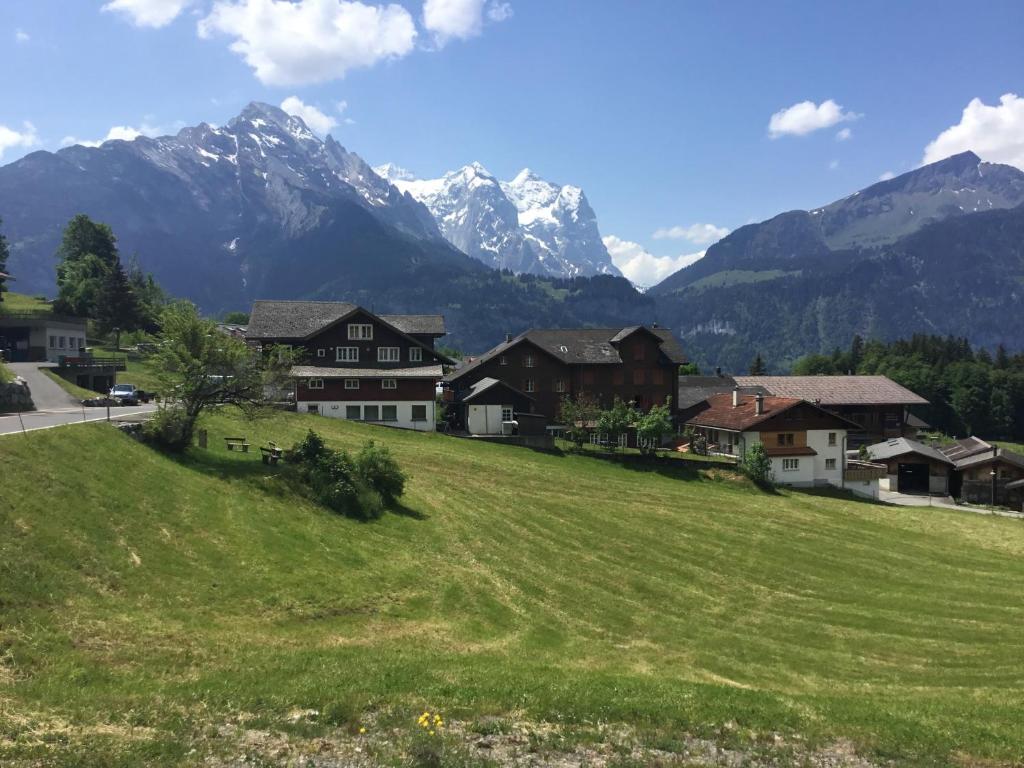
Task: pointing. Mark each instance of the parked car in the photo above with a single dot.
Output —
(128, 394)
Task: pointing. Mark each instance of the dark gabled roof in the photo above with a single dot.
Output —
(968, 446)
(302, 319)
(901, 446)
(294, 319)
(422, 325)
(719, 412)
(1001, 454)
(488, 383)
(836, 390)
(591, 346)
(696, 389)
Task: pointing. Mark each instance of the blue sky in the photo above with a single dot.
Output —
(659, 110)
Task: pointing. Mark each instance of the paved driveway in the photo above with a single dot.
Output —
(945, 502)
(46, 394)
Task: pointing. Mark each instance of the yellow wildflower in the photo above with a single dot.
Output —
(362, 730)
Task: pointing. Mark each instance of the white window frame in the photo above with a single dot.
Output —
(346, 355)
(832, 437)
(830, 465)
(507, 413)
(315, 384)
(559, 385)
(351, 383)
(360, 331)
(791, 465)
(528, 360)
(389, 383)
(321, 353)
(389, 354)
(415, 355)
(530, 385)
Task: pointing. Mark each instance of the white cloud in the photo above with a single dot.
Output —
(698, 234)
(806, 117)
(643, 268)
(886, 176)
(844, 134)
(995, 133)
(10, 138)
(310, 41)
(461, 19)
(148, 13)
(342, 107)
(21, 36)
(498, 11)
(833, 164)
(317, 121)
(117, 133)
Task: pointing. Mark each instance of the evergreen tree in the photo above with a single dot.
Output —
(4, 253)
(1002, 359)
(757, 366)
(117, 306)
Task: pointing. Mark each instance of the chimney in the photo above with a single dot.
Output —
(718, 372)
(759, 404)
(508, 338)
(735, 397)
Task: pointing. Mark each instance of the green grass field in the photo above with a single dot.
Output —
(148, 603)
(20, 302)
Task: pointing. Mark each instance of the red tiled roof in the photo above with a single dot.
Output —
(719, 412)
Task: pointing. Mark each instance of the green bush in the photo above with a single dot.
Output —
(378, 468)
(170, 429)
(757, 465)
(359, 488)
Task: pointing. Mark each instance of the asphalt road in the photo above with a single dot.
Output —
(46, 394)
(33, 420)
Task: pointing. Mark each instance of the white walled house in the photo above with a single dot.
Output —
(806, 444)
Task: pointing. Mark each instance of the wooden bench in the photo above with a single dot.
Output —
(271, 454)
(237, 443)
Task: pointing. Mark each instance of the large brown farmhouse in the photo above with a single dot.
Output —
(637, 364)
(353, 364)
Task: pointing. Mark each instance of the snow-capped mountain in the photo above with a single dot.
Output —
(224, 213)
(525, 225)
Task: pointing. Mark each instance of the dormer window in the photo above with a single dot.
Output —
(360, 331)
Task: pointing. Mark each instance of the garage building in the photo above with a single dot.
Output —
(913, 467)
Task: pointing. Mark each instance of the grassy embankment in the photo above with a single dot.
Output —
(146, 603)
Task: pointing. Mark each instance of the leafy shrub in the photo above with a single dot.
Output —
(757, 464)
(359, 488)
(378, 468)
(170, 429)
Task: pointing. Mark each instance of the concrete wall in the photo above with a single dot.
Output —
(339, 410)
(811, 469)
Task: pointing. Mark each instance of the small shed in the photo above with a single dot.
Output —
(491, 402)
(912, 467)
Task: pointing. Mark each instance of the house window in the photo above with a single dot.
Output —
(360, 331)
(283, 350)
(528, 361)
(347, 354)
(313, 409)
(315, 384)
(419, 413)
(321, 353)
(529, 385)
(60, 342)
(352, 412)
(506, 413)
(53, 342)
(638, 376)
(388, 354)
(785, 438)
(351, 383)
(559, 385)
(389, 383)
(371, 413)
(415, 355)
(830, 464)
(502, 360)
(790, 465)
(389, 413)
(832, 438)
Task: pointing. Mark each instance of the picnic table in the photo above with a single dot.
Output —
(237, 444)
